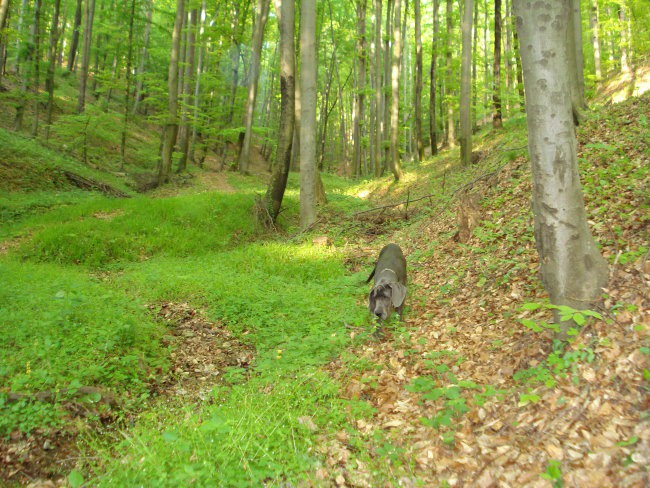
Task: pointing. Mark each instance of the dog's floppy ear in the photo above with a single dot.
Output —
(372, 299)
(398, 293)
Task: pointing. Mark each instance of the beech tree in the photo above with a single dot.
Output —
(262, 13)
(89, 14)
(275, 193)
(170, 130)
(308, 175)
(465, 85)
(572, 269)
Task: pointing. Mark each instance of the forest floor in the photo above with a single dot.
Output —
(469, 388)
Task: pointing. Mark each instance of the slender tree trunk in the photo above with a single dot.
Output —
(127, 92)
(359, 96)
(572, 269)
(497, 116)
(37, 65)
(394, 109)
(275, 193)
(451, 130)
(433, 125)
(85, 57)
(51, 56)
(625, 39)
(575, 33)
(4, 12)
(258, 37)
(74, 45)
(139, 85)
(418, 82)
(475, 69)
(171, 125)
(197, 82)
(594, 23)
(387, 88)
(190, 50)
(465, 85)
(308, 70)
(518, 71)
(379, 83)
(27, 55)
(20, 55)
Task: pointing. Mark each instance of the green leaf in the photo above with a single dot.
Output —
(629, 442)
(531, 306)
(579, 319)
(75, 478)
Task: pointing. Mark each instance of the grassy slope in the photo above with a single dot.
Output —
(296, 415)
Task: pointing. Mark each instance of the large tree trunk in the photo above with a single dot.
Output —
(497, 116)
(433, 125)
(394, 109)
(572, 269)
(258, 37)
(51, 56)
(85, 56)
(359, 96)
(418, 83)
(308, 171)
(465, 85)
(170, 130)
(4, 12)
(74, 45)
(594, 23)
(275, 193)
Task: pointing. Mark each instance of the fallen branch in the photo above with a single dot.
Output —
(90, 185)
(408, 201)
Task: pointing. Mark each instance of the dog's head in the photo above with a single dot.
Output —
(384, 297)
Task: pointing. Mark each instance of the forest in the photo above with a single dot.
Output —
(194, 193)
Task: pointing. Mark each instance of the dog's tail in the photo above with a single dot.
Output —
(371, 275)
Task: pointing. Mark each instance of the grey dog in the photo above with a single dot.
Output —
(390, 282)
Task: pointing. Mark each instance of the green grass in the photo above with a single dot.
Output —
(105, 231)
(61, 328)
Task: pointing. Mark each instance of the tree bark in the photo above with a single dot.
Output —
(466, 85)
(379, 106)
(190, 50)
(594, 23)
(85, 56)
(387, 91)
(497, 116)
(197, 82)
(572, 269)
(450, 134)
(170, 130)
(139, 85)
(127, 91)
(74, 44)
(36, 36)
(275, 193)
(258, 37)
(308, 171)
(433, 125)
(394, 109)
(419, 145)
(51, 56)
(359, 96)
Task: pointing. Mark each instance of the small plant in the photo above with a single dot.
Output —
(553, 473)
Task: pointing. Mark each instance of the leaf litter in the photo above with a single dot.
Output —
(462, 327)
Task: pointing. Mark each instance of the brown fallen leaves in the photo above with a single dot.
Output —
(593, 421)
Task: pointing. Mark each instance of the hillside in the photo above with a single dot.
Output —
(169, 341)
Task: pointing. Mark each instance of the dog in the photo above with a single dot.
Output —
(389, 290)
